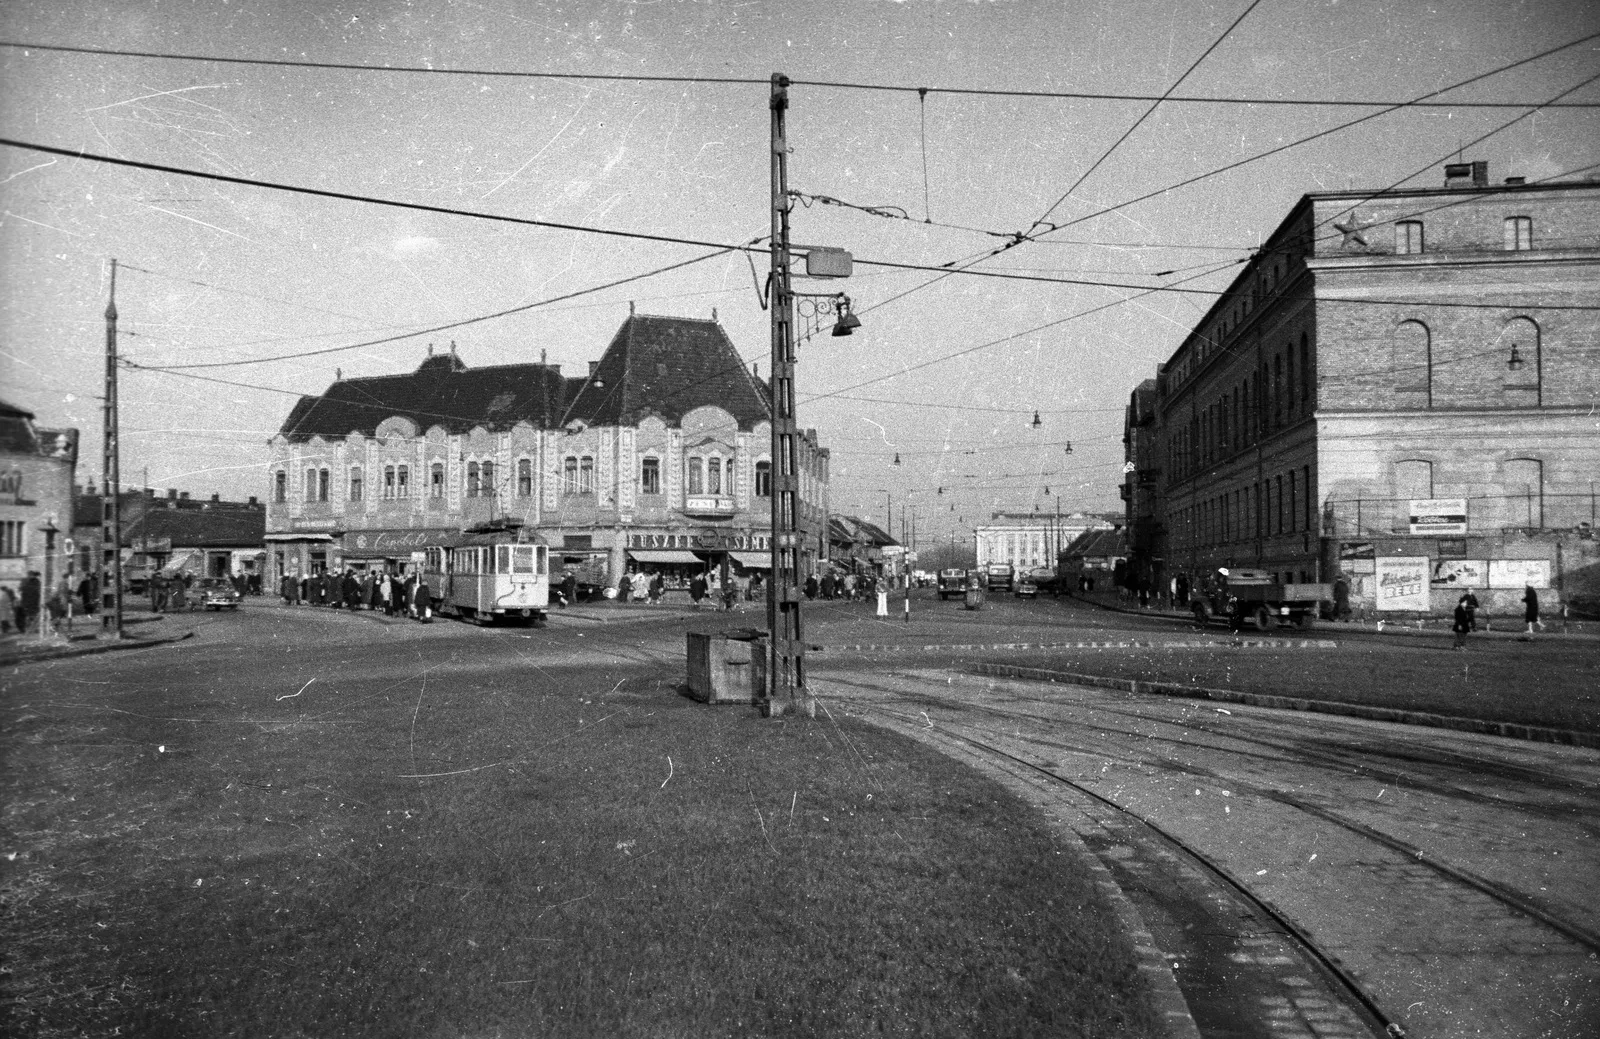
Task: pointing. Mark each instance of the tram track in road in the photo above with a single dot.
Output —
(1388, 867)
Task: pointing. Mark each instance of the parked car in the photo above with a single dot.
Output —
(1024, 586)
(216, 593)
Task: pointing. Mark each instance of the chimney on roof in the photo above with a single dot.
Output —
(252, 502)
(1466, 174)
(430, 349)
(183, 495)
(452, 348)
(713, 313)
(630, 308)
(541, 356)
(172, 494)
(215, 496)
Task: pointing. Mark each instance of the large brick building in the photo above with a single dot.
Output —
(1400, 383)
(658, 459)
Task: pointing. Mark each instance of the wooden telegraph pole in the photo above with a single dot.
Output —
(111, 484)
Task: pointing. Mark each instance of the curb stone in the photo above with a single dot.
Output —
(1483, 726)
(86, 651)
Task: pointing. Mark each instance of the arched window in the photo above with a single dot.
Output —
(355, 483)
(1411, 362)
(402, 481)
(388, 481)
(524, 478)
(586, 475)
(472, 479)
(436, 480)
(697, 476)
(713, 475)
(1522, 359)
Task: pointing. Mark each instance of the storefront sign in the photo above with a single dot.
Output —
(1355, 550)
(716, 541)
(1516, 573)
(1461, 573)
(313, 524)
(1402, 582)
(397, 543)
(1439, 516)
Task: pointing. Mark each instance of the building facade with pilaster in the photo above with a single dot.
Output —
(657, 460)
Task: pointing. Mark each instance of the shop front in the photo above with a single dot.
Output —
(393, 550)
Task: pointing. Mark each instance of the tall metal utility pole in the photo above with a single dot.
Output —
(111, 484)
(786, 673)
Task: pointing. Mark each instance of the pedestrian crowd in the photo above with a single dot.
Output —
(395, 594)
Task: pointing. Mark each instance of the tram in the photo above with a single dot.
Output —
(490, 575)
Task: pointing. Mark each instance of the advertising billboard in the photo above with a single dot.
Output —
(1461, 573)
(1402, 582)
(1442, 516)
(1515, 573)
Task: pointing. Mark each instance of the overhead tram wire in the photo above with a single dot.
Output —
(451, 325)
(1416, 103)
(764, 81)
(1086, 174)
(343, 196)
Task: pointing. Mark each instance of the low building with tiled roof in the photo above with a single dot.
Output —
(657, 459)
(203, 537)
(36, 484)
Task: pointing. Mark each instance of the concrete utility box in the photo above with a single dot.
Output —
(728, 666)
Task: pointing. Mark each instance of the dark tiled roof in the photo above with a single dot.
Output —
(1097, 543)
(850, 529)
(442, 391)
(16, 430)
(668, 366)
(201, 528)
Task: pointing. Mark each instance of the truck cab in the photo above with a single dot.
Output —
(1238, 595)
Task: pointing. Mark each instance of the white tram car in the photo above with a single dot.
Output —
(489, 576)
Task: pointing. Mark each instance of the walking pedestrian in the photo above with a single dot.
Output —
(811, 586)
(624, 588)
(424, 601)
(569, 588)
(697, 589)
(658, 588)
(9, 610)
(1530, 610)
(1463, 623)
(1470, 601)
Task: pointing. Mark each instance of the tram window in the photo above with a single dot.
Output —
(543, 557)
(522, 559)
(502, 560)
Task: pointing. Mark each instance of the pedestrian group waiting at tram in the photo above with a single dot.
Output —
(396, 595)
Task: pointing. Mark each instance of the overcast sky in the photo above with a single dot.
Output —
(231, 273)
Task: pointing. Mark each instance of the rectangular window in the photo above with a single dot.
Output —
(524, 478)
(13, 538)
(1294, 511)
(322, 485)
(1311, 499)
(472, 479)
(650, 476)
(569, 475)
(763, 479)
(487, 485)
(355, 483)
(713, 476)
(1408, 237)
(436, 480)
(586, 475)
(697, 476)
(402, 481)
(1519, 233)
(280, 486)
(388, 481)
(1278, 517)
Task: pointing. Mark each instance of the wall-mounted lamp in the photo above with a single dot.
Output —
(847, 322)
(897, 458)
(1515, 360)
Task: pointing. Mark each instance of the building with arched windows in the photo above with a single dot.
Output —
(657, 460)
(1400, 382)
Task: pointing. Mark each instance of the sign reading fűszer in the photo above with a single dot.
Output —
(1438, 515)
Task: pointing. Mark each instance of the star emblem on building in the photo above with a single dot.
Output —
(1352, 228)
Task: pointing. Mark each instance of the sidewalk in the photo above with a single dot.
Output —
(140, 630)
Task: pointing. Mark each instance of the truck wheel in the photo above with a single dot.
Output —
(1263, 619)
(1202, 616)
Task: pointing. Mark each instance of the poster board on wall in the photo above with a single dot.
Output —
(1402, 582)
(1461, 573)
(1515, 573)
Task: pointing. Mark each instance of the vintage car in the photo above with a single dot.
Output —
(216, 593)
(952, 582)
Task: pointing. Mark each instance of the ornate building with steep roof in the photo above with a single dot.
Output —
(36, 483)
(658, 459)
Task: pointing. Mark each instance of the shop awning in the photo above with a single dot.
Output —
(753, 560)
(299, 535)
(665, 556)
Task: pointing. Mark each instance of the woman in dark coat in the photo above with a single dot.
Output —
(424, 601)
(1530, 608)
